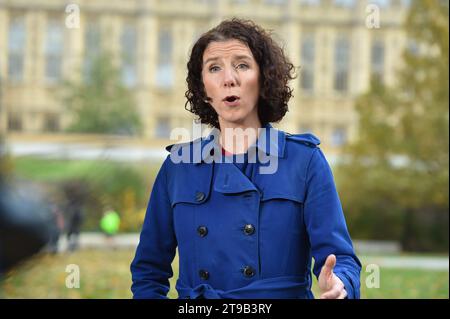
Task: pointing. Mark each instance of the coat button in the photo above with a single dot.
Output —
(249, 229)
(202, 231)
(199, 196)
(248, 271)
(203, 274)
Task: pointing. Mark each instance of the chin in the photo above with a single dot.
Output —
(233, 119)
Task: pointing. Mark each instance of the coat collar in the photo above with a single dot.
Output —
(271, 141)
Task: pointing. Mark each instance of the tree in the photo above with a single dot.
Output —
(102, 104)
(394, 180)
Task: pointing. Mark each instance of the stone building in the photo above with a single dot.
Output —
(337, 45)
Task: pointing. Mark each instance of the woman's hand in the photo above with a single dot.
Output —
(330, 285)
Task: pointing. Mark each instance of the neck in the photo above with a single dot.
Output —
(236, 138)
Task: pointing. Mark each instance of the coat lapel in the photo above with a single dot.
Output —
(230, 180)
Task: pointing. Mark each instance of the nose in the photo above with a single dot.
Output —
(230, 77)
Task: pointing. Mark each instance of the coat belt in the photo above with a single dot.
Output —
(287, 287)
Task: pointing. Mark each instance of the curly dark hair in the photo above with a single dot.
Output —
(275, 71)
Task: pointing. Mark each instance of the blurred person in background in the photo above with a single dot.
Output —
(75, 197)
(57, 223)
(241, 233)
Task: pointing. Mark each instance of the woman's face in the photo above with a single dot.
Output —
(231, 78)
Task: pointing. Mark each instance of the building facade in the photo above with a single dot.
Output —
(336, 45)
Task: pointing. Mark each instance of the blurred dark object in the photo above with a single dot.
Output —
(75, 194)
(24, 227)
(58, 223)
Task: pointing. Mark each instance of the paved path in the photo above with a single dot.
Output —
(426, 263)
(79, 150)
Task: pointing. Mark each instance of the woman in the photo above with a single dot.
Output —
(243, 232)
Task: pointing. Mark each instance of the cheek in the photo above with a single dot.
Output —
(209, 84)
(254, 89)
(205, 83)
(253, 84)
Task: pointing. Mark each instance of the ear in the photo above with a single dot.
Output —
(207, 100)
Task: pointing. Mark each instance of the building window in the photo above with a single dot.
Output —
(307, 61)
(412, 47)
(51, 123)
(92, 48)
(54, 46)
(14, 122)
(345, 3)
(377, 59)
(162, 127)
(406, 3)
(164, 72)
(129, 53)
(339, 136)
(275, 2)
(16, 48)
(341, 64)
(309, 2)
(381, 3)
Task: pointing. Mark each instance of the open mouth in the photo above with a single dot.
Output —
(231, 98)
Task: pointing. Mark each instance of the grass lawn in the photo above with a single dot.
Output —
(105, 274)
(52, 170)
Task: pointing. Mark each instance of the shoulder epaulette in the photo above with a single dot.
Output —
(306, 138)
(179, 145)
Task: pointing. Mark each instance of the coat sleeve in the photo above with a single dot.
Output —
(151, 267)
(326, 226)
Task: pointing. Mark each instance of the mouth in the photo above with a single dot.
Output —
(231, 98)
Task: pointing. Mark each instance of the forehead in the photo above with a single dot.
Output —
(224, 49)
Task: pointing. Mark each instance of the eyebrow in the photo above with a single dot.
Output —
(236, 57)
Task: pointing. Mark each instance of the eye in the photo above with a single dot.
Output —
(242, 66)
(214, 68)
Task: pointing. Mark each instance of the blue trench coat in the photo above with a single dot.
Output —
(239, 238)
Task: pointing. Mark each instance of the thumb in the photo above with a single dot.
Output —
(326, 274)
(327, 269)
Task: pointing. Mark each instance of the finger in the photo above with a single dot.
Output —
(343, 294)
(331, 261)
(327, 268)
(331, 294)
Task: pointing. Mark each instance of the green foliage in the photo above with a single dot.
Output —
(394, 180)
(102, 104)
(125, 188)
(112, 189)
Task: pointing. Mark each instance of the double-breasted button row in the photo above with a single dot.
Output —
(248, 271)
(249, 229)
